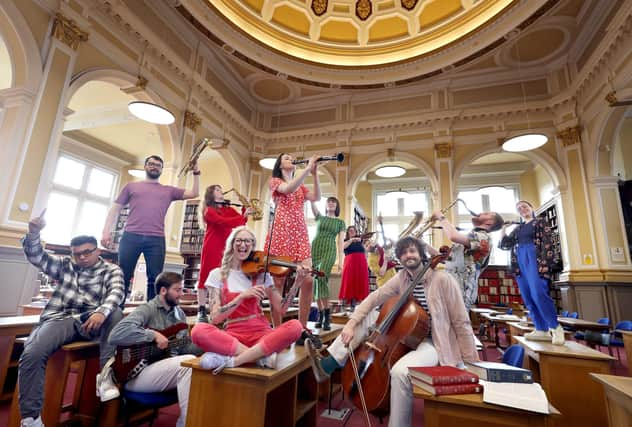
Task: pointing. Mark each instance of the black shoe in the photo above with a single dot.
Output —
(327, 320)
(202, 317)
(315, 358)
(316, 342)
(321, 315)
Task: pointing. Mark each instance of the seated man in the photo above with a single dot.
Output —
(142, 326)
(84, 306)
(451, 342)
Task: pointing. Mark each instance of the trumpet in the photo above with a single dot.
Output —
(337, 157)
(195, 155)
(254, 204)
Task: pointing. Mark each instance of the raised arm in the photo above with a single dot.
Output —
(299, 178)
(314, 196)
(315, 210)
(450, 231)
(195, 190)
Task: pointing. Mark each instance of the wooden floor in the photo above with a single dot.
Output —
(167, 416)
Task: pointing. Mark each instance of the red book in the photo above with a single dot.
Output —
(442, 375)
(439, 390)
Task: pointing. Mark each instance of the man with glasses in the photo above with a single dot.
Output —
(84, 306)
(144, 233)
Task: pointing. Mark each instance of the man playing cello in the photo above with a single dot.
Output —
(451, 341)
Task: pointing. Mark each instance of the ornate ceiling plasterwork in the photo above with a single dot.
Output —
(386, 60)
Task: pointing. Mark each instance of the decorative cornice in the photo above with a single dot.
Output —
(191, 120)
(68, 32)
(443, 151)
(570, 136)
(319, 7)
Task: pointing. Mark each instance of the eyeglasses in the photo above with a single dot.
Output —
(245, 241)
(153, 165)
(83, 253)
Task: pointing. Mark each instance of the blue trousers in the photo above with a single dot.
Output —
(152, 248)
(535, 290)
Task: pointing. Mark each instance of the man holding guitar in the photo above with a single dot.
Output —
(148, 359)
(451, 341)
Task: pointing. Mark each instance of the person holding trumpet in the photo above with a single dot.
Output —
(470, 251)
(287, 235)
(219, 221)
(144, 233)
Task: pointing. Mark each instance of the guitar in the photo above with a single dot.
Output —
(130, 360)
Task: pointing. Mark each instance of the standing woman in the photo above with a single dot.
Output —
(289, 230)
(235, 299)
(219, 220)
(532, 260)
(326, 245)
(354, 285)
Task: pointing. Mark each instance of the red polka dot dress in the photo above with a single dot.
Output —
(289, 234)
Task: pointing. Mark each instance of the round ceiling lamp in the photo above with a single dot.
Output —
(267, 162)
(150, 112)
(390, 171)
(525, 142)
(137, 173)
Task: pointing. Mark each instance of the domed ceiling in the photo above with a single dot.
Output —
(359, 32)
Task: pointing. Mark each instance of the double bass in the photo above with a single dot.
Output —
(401, 326)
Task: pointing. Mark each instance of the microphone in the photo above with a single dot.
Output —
(338, 157)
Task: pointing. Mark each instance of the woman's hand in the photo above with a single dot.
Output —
(312, 165)
(257, 291)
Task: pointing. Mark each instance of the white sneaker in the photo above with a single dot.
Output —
(558, 335)
(538, 336)
(268, 361)
(30, 422)
(106, 387)
(216, 361)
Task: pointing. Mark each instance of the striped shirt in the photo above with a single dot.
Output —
(419, 293)
(98, 288)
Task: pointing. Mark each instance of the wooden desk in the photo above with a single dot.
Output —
(340, 318)
(469, 410)
(518, 329)
(583, 325)
(10, 328)
(563, 371)
(627, 345)
(500, 319)
(618, 399)
(291, 313)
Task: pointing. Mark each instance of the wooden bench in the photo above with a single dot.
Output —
(618, 397)
(563, 371)
(10, 329)
(84, 407)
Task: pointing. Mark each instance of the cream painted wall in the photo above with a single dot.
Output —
(364, 198)
(624, 143)
(529, 187)
(543, 184)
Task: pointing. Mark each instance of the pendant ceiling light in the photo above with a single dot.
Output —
(150, 112)
(529, 140)
(390, 171)
(267, 162)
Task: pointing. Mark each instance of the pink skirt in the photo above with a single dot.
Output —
(355, 277)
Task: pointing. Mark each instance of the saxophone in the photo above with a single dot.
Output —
(254, 204)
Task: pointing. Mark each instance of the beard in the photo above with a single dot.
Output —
(153, 174)
(412, 264)
(171, 302)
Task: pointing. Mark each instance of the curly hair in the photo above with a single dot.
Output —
(406, 242)
(229, 252)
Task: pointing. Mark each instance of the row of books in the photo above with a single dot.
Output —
(501, 384)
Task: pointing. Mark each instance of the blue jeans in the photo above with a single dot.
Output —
(535, 290)
(152, 248)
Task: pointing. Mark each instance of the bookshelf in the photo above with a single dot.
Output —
(549, 212)
(497, 285)
(191, 243)
(119, 228)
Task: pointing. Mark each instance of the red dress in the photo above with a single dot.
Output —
(219, 223)
(289, 234)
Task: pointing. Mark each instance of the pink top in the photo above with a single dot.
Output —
(452, 333)
(148, 203)
(289, 235)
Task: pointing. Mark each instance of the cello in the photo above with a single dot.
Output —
(400, 327)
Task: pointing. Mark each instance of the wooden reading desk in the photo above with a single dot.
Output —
(583, 325)
(10, 328)
(563, 371)
(469, 410)
(255, 397)
(618, 399)
(627, 345)
(501, 319)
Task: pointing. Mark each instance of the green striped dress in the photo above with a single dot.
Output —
(324, 251)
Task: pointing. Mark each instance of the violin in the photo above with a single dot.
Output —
(278, 266)
(401, 326)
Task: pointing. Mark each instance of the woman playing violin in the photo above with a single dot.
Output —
(219, 220)
(354, 284)
(451, 341)
(234, 298)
